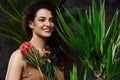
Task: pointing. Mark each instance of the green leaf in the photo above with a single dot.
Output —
(62, 21)
(85, 75)
(10, 11)
(18, 5)
(97, 49)
(59, 2)
(96, 22)
(102, 24)
(97, 28)
(76, 24)
(13, 31)
(109, 60)
(111, 31)
(10, 34)
(73, 73)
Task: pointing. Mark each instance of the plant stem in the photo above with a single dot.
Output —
(40, 72)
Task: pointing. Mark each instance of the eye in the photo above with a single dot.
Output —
(51, 19)
(42, 20)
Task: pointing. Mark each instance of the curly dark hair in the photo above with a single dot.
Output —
(30, 13)
(54, 40)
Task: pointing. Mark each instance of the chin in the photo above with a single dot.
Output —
(47, 35)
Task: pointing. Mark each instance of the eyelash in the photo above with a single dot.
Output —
(42, 20)
(51, 20)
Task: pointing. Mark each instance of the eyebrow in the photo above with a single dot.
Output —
(44, 17)
(41, 17)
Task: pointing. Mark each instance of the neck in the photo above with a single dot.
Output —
(38, 42)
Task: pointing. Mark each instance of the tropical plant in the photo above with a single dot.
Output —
(73, 73)
(12, 27)
(97, 48)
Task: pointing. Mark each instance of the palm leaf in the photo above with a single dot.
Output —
(96, 48)
(70, 36)
(13, 28)
(10, 11)
(11, 32)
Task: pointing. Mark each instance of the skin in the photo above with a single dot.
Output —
(42, 27)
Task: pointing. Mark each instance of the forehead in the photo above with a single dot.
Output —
(44, 13)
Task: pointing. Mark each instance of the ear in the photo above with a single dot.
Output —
(31, 24)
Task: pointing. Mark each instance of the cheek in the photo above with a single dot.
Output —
(53, 26)
(38, 26)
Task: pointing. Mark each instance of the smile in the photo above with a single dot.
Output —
(47, 29)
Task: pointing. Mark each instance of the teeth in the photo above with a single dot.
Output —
(46, 29)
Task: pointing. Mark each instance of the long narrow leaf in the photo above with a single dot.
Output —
(11, 35)
(111, 31)
(9, 11)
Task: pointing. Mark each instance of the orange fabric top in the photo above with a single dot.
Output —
(31, 73)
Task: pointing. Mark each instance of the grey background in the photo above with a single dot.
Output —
(7, 46)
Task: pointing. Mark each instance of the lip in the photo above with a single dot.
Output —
(47, 29)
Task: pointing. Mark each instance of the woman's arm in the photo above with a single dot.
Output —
(15, 66)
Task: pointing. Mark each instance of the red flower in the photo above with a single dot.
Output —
(47, 54)
(42, 62)
(25, 47)
(30, 54)
(48, 60)
(46, 51)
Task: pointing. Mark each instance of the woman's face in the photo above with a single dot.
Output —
(43, 24)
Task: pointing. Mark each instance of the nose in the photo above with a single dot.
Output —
(47, 23)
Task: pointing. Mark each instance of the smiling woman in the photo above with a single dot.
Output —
(38, 21)
(43, 23)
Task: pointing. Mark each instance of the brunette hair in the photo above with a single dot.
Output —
(31, 10)
(54, 40)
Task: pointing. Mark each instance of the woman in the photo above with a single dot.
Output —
(39, 22)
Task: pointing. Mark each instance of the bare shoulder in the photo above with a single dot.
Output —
(17, 58)
(16, 61)
(17, 54)
(15, 66)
